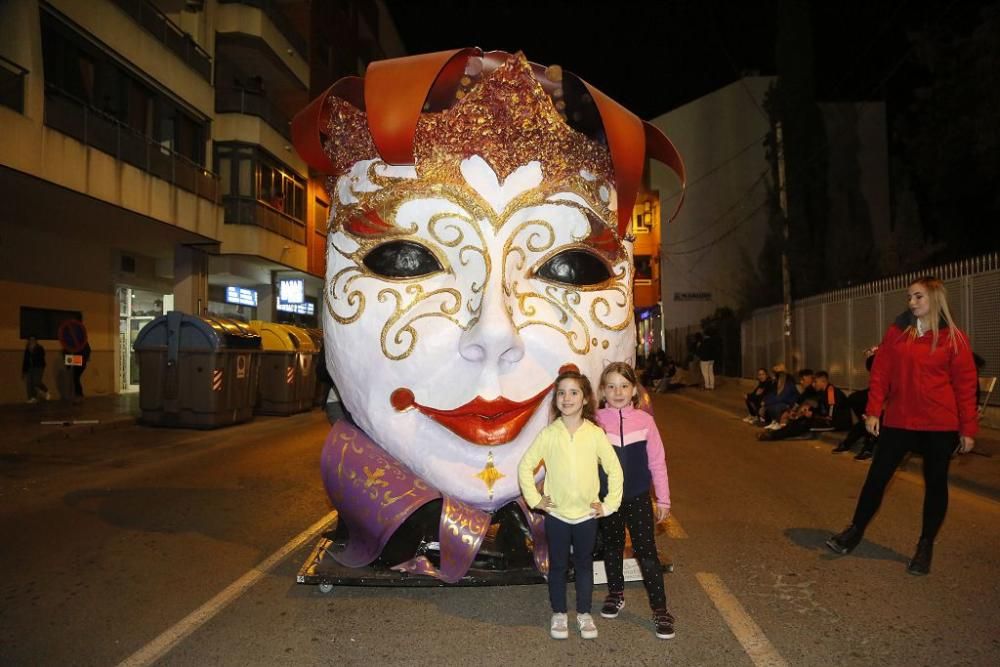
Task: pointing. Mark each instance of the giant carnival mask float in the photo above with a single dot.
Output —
(477, 244)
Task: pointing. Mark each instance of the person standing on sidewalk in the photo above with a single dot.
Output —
(33, 370)
(925, 379)
(708, 351)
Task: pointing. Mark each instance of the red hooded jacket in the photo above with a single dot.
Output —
(920, 389)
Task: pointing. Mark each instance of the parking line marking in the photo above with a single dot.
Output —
(160, 646)
(746, 631)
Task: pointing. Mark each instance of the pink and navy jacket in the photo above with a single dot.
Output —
(637, 442)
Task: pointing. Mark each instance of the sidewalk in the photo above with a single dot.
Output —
(21, 424)
(978, 472)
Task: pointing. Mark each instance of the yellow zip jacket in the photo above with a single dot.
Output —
(571, 470)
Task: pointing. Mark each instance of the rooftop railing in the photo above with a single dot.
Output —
(75, 118)
(169, 34)
(254, 103)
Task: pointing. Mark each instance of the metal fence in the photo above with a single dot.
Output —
(72, 117)
(156, 23)
(832, 330)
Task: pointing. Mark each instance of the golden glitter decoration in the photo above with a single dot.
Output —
(347, 137)
(508, 120)
(490, 475)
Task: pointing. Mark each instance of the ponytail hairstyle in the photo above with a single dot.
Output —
(937, 298)
(589, 402)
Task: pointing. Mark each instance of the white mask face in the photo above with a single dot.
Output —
(450, 308)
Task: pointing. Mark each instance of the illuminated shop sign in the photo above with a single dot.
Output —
(241, 296)
(291, 290)
(304, 308)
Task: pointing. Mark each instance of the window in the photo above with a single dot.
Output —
(261, 176)
(95, 78)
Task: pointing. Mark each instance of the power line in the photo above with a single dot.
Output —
(740, 200)
(724, 235)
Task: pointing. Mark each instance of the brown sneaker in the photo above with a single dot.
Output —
(612, 605)
(663, 624)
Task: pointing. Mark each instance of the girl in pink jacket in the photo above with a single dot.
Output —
(636, 440)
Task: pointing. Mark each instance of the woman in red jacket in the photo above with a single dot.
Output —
(925, 379)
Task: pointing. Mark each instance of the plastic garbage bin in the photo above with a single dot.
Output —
(322, 389)
(197, 372)
(287, 369)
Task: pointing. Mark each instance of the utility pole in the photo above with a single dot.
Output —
(786, 277)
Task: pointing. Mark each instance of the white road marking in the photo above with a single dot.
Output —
(160, 646)
(746, 631)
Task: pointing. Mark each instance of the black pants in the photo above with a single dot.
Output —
(77, 383)
(637, 514)
(936, 447)
(560, 536)
(753, 401)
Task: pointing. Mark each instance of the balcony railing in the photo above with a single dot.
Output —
(74, 118)
(240, 100)
(169, 34)
(280, 21)
(250, 211)
(12, 78)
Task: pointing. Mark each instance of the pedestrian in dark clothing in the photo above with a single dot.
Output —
(33, 370)
(858, 401)
(755, 399)
(707, 349)
(78, 372)
(832, 403)
(802, 420)
(925, 378)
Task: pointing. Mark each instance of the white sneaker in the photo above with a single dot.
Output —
(586, 624)
(32, 400)
(560, 626)
(773, 426)
(749, 420)
(48, 396)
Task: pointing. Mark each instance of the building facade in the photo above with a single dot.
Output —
(147, 165)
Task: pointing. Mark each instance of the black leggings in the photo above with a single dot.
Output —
(936, 447)
(637, 514)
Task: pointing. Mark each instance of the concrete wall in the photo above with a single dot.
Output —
(722, 226)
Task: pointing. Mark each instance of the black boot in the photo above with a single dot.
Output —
(842, 447)
(920, 564)
(845, 541)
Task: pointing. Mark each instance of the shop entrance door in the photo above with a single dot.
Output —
(136, 308)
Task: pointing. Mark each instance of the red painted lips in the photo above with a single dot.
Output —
(479, 421)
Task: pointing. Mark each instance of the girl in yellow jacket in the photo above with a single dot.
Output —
(570, 448)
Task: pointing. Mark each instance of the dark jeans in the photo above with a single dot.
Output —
(637, 514)
(33, 384)
(77, 384)
(753, 402)
(936, 447)
(560, 536)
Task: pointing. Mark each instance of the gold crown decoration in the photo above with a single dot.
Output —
(504, 116)
(509, 120)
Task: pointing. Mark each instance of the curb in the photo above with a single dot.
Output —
(910, 464)
(67, 430)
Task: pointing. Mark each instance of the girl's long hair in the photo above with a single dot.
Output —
(589, 402)
(780, 377)
(937, 297)
(627, 372)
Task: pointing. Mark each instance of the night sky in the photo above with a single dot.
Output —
(654, 56)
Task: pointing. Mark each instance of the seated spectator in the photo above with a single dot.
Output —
(832, 403)
(857, 402)
(805, 386)
(755, 399)
(654, 371)
(673, 378)
(782, 398)
(801, 420)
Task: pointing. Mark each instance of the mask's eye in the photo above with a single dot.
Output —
(574, 267)
(401, 259)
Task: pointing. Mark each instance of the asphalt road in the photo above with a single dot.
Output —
(110, 541)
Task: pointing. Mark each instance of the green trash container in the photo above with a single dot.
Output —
(287, 369)
(197, 372)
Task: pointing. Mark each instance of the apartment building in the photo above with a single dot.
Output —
(146, 165)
